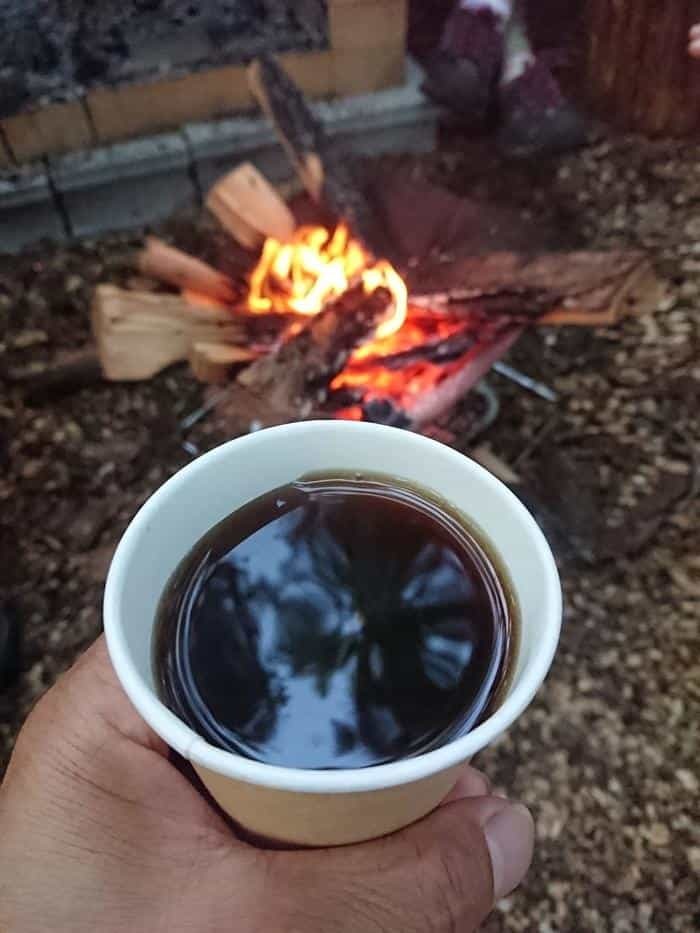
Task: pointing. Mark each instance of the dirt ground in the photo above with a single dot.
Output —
(607, 755)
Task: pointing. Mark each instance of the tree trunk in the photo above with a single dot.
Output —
(639, 73)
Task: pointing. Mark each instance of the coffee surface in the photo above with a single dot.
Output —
(333, 623)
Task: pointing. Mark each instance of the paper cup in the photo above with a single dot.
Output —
(298, 806)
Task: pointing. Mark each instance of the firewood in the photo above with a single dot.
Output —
(294, 380)
(249, 208)
(213, 362)
(432, 405)
(639, 293)
(326, 170)
(233, 223)
(440, 351)
(174, 267)
(140, 333)
(561, 288)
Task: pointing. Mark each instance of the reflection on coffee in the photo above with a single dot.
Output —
(334, 622)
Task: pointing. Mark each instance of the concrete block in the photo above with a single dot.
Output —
(360, 71)
(368, 39)
(218, 147)
(396, 120)
(49, 130)
(368, 24)
(28, 210)
(123, 186)
(136, 109)
(136, 183)
(131, 110)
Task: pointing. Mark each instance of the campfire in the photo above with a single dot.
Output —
(331, 316)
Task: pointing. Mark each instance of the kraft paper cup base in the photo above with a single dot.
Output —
(290, 818)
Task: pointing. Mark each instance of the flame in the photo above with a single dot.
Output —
(316, 267)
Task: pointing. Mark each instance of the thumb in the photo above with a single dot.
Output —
(441, 874)
(466, 856)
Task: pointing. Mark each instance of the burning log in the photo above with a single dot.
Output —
(432, 405)
(248, 207)
(294, 380)
(325, 170)
(167, 264)
(558, 288)
(416, 388)
(439, 351)
(140, 333)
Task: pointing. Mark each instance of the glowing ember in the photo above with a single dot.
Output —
(316, 267)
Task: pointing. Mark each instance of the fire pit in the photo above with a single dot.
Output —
(356, 300)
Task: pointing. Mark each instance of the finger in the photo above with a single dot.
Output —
(471, 783)
(694, 48)
(88, 698)
(695, 31)
(443, 874)
(489, 841)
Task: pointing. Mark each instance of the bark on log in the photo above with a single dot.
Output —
(576, 288)
(294, 380)
(326, 171)
(440, 351)
(639, 73)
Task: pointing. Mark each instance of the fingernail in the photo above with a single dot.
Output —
(471, 783)
(488, 783)
(510, 836)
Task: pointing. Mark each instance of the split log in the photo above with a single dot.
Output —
(170, 265)
(326, 170)
(214, 363)
(248, 207)
(233, 223)
(294, 381)
(592, 288)
(140, 333)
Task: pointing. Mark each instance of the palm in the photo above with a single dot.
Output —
(150, 835)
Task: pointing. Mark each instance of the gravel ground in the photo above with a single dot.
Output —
(606, 756)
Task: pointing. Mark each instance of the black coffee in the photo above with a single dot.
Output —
(334, 623)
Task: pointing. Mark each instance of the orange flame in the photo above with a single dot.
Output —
(316, 267)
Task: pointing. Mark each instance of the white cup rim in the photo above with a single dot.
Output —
(195, 749)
